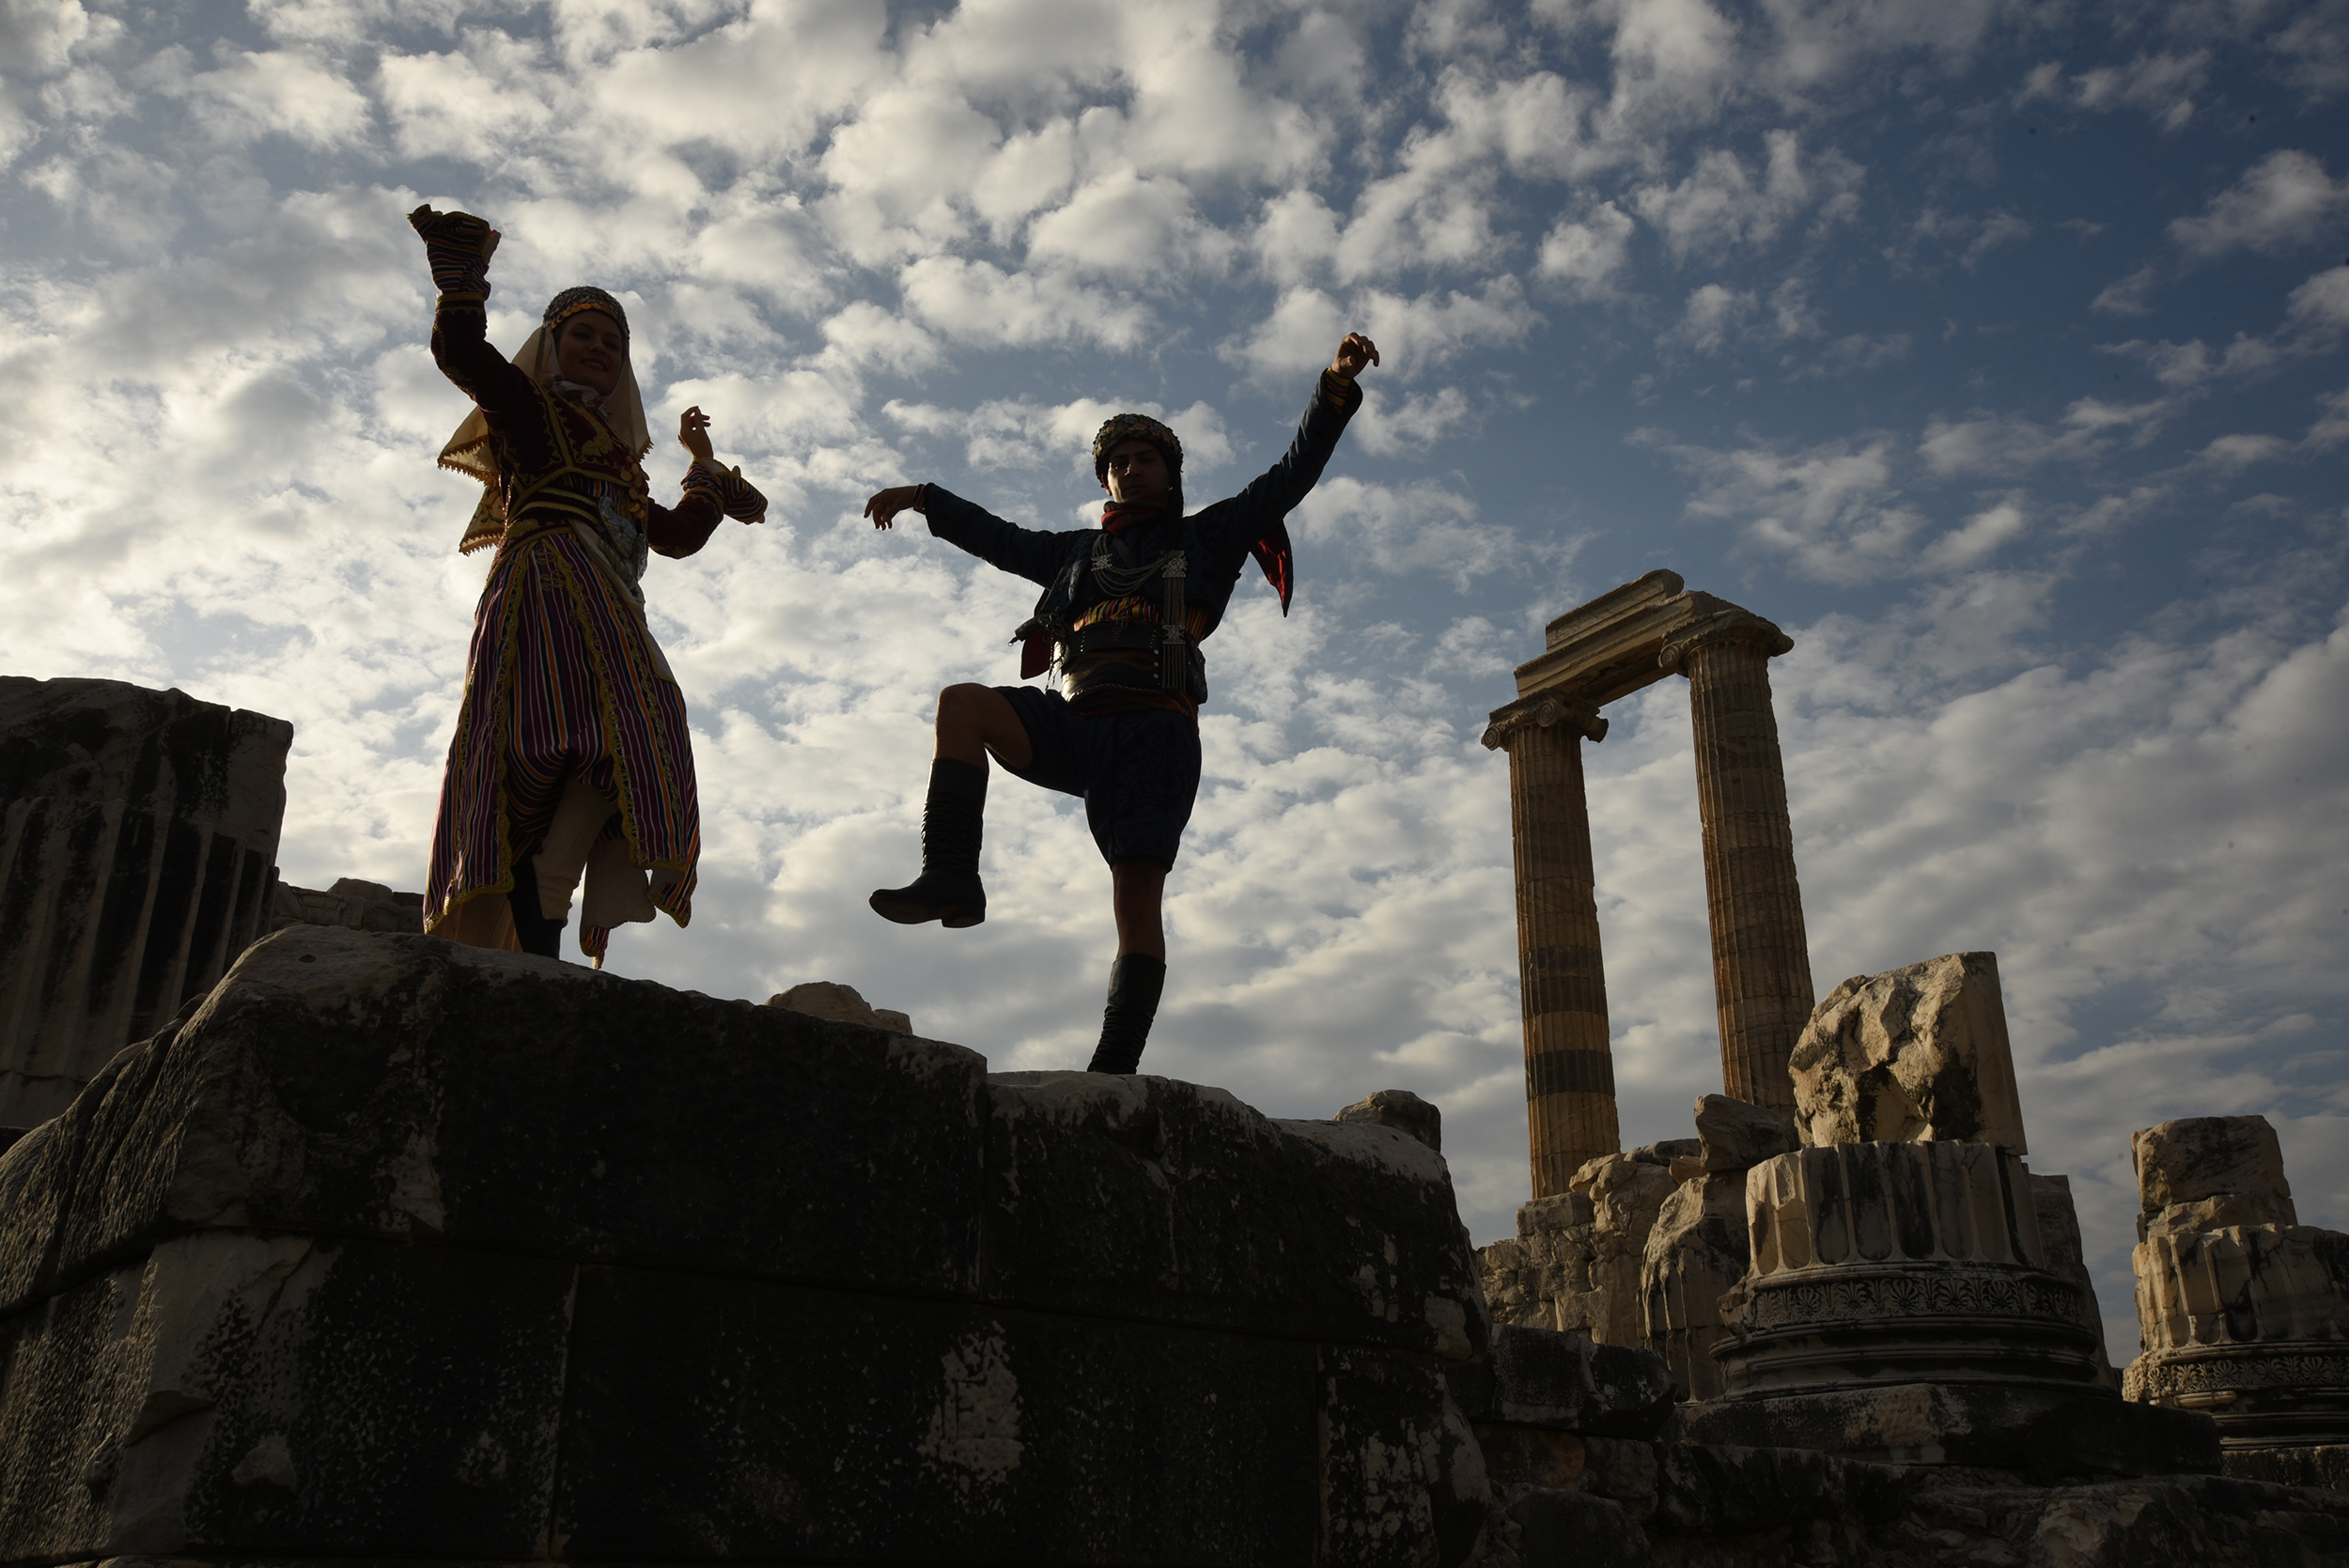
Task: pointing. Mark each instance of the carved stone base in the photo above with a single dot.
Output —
(2326, 1466)
(2047, 1431)
(2267, 1394)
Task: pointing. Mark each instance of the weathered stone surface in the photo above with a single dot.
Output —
(1900, 1263)
(753, 1420)
(351, 903)
(2059, 1232)
(2046, 1429)
(829, 999)
(1558, 1529)
(1102, 1191)
(1540, 1377)
(1403, 1481)
(277, 1394)
(2207, 1156)
(2251, 1324)
(1913, 1054)
(2325, 1465)
(1733, 1135)
(1401, 1109)
(356, 1084)
(1531, 1455)
(1696, 1254)
(1575, 1264)
(138, 832)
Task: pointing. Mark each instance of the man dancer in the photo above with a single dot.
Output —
(1125, 608)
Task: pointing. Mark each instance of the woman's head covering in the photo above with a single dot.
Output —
(469, 451)
(1136, 426)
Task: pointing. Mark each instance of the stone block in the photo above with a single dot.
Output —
(1574, 1529)
(1745, 1490)
(2047, 1430)
(1733, 1135)
(2325, 1465)
(343, 1083)
(1106, 1192)
(1401, 1109)
(1917, 1053)
(749, 1421)
(1402, 1479)
(829, 999)
(2198, 1157)
(1696, 1254)
(352, 903)
(1539, 1377)
(2252, 1325)
(274, 1395)
(1529, 1455)
(138, 832)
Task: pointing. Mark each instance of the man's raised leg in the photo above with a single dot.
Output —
(973, 721)
(1138, 893)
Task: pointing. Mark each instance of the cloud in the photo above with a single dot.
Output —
(2283, 201)
(1583, 254)
(1421, 529)
(1719, 207)
(2162, 85)
(1711, 317)
(2130, 295)
(979, 302)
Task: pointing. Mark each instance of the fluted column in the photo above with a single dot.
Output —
(1761, 957)
(1569, 1072)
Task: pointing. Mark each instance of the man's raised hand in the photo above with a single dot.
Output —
(885, 505)
(692, 433)
(1353, 354)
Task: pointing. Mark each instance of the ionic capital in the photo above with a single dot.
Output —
(1731, 624)
(1540, 711)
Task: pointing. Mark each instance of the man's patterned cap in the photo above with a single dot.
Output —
(1134, 427)
(572, 300)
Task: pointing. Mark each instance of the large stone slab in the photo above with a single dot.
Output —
(1539, 1377)
(2051, 1431)
(1117, 1196)
(277, 1394)
(403, 1088)
(748, 1421)
(2207, 1173)
(1916, 1053)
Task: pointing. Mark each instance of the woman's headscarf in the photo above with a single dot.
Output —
(469, 450)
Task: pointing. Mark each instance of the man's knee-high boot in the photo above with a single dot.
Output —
(1136, 981)
(537, 933)
(948, 890)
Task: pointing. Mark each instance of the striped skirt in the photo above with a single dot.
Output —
(562, 680)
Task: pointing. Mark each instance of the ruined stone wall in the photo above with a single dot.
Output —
(136, 853)
(397, 1249)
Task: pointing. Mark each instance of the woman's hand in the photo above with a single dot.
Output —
(1353, 354)
(883, 508)
(692, 433)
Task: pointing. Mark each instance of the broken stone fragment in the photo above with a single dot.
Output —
(830, 999)
(1401, 1109)
(2198, 1157)
(2059, 1230)
(1912, 1055)
(1733, 1135)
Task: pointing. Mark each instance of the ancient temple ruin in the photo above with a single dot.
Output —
(1618, 644)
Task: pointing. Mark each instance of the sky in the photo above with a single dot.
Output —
(1994, 349)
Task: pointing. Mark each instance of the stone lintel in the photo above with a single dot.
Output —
(1634, 636)
(1539, 711)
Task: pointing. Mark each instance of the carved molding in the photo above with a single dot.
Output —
(2155, 1378)
(1730, 624)
(1540, 711)
(1805, 1301)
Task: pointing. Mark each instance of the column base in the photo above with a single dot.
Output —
(2032, 1428)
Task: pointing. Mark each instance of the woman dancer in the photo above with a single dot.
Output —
(570, 755)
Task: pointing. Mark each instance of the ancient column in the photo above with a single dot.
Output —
(138, 843)
(1761, 959)
(1569, 1074)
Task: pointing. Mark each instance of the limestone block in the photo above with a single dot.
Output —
(1104, 1191)
(2249, 1284)
(1561, 1527)
(1626, 1192)
(1695, 1254)
(2059, 1229)
(1733, 1135)
(754, 1420)
(344, 1082)
(2015, 1426)
(829, 999)
(1541, 1278)
(1735, 1490)
(1401, 1109)
(2198, 1157)
(2226, 1210)
(138, 831)
(1402, 1480)
(1913, 1054)
(276, 1395)
(1539, 1377)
